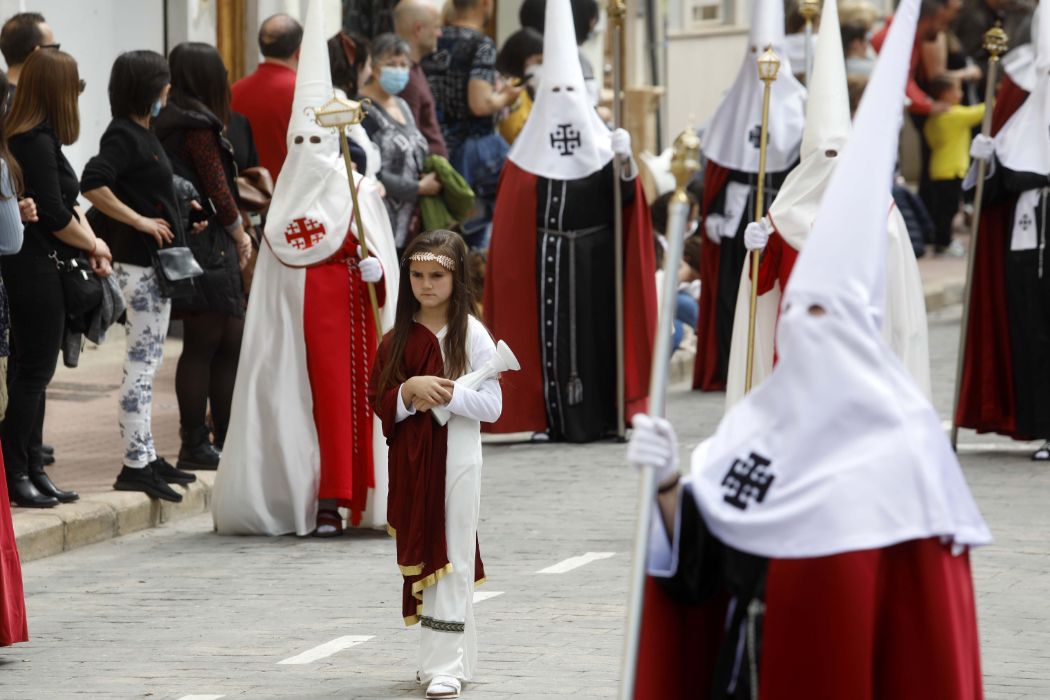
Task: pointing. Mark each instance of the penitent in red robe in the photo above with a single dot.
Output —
(13, 627)
(896, 623)
(341, 339)
(987, 401)
(512, 299)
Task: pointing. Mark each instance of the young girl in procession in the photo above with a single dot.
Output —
(435, 470)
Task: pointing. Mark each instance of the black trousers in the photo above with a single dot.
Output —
(37, 323)
(945, 198)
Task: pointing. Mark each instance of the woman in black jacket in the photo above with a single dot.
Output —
(192, 128)
(130, 183)
(44, 117)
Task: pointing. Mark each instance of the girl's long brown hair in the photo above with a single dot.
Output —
(48, 91)
(460, 306)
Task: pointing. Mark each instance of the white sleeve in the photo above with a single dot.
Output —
(662, 561)
(403, 411)
(486, 402)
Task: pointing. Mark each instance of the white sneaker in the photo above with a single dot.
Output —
(443, 687)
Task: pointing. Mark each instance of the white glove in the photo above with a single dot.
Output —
(621, 142)
(371, 270)
(756, 235)
(982, 148)
(653, 443)
(713, 225)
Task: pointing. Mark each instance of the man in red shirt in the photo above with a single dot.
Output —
(265, 96)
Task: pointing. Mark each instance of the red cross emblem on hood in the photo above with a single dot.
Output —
(304, 233)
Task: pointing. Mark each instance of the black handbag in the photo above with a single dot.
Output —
(175, 270)
(81, 289)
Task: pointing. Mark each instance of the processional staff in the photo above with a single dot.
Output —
(617, 11)
(809, 9)
(995, 43)
(685, 164)
(340, 114)
(768, 67)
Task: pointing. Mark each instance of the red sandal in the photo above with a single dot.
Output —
(329, 523)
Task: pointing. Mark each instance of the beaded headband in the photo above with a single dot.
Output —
(442, 260)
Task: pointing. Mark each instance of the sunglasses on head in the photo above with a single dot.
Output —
(56, 47)
(83, 84)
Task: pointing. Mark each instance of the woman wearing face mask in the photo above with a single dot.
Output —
(390, 125)
(130, 182)
(521, 58)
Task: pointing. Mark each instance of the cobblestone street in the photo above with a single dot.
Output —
(177, 612)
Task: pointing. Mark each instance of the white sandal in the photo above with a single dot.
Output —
(443, 687)
(1042, 454)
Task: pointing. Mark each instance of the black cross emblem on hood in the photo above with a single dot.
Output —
(747, 480)
(565, 139)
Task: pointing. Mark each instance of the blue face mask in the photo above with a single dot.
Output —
(393, 80)
(154, 109)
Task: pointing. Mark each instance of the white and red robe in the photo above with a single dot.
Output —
(301, 428)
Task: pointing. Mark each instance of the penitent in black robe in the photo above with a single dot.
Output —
(1027, 277)
(577, 308)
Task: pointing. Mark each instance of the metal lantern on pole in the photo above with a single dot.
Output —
(340, 114)
(768, 69)
(996, 42)
(809, 9)
(685, 164)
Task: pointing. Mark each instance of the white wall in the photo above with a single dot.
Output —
(94, 33)
(699, 71)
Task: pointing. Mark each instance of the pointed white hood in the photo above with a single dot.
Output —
(311, 209)
(1023, 144)
(731, 137)
(563, 138)
(826, 133)
(1019, 62)
(838, 450)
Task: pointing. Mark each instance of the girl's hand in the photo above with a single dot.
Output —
(27, 209)
(429, 185)
(244, 250)
(159, 229)
(435, 391)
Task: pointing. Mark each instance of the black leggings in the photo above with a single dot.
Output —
(37, 322)
(207, 369)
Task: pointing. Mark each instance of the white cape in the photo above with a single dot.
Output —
(270, 471)
(904, 326)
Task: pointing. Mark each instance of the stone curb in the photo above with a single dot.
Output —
(943, 295)
(102, 516)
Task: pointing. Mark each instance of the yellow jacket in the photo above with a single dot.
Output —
(948, 135)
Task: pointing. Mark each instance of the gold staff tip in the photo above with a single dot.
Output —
(768, 65)
(996, 42)
(685, 161)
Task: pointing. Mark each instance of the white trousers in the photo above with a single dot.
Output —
(147, 327)
(449, 643)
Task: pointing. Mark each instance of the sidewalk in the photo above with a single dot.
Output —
(82, 425)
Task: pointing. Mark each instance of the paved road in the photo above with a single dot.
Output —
(179, 611)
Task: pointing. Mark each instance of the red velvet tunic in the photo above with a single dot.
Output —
(340, 346)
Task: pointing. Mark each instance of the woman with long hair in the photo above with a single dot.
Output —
(193, 129)
(131, 184)
(13, 627)
(44, 117)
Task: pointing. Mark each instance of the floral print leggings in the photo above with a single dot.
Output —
(147, 327)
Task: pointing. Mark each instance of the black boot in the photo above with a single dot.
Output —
(22, 493)
(162, 468)
(146, 481)
(44, 485)
(197, 452)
